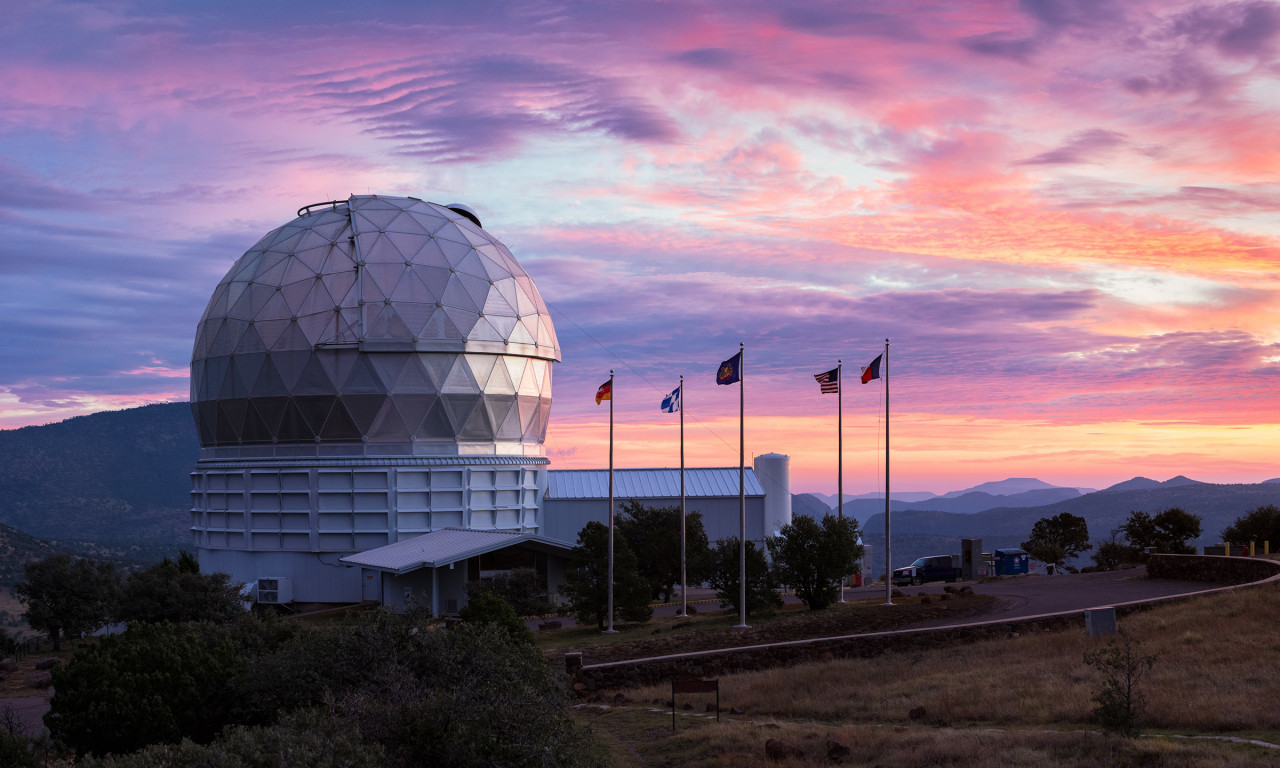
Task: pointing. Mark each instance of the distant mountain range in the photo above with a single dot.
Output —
(1217, 505)
(117, 484)
(1012, 492)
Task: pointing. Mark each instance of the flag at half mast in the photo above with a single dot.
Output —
(829, 381)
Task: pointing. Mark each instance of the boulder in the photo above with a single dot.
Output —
(777, 749)
(836, 752)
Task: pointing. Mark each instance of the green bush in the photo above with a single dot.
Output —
(156, 683)
(489, 608)
(1120, 701)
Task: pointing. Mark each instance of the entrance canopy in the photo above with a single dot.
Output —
(447, 546)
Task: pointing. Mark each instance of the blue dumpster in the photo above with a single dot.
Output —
(1012, 561)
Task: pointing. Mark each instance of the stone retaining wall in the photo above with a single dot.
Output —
(652, 671)
(639, 672)
(1219, 570)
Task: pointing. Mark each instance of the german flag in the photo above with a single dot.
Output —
(605, 392)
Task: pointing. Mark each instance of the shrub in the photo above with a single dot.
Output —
(1120, 701)
(156, 683)
(1111, 553)
(489, 608)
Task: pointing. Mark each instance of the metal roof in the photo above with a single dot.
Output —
(649, 483)
(445, 546)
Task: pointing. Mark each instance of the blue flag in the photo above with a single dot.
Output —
(730, 371)
(671, 403)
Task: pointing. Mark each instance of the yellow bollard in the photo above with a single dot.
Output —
(1266, 547)
(1227, 551)
(1251, 544)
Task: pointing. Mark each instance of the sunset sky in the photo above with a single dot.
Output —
(1062, 213)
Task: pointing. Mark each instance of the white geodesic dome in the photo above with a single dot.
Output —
(385, 320)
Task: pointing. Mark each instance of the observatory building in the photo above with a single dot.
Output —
(371, 385)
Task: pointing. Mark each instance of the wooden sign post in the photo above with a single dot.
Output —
(694, 686)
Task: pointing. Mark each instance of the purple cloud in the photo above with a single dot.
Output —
(482, 108)
(1082, 147)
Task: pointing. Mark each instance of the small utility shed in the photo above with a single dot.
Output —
(575, 497)
(434, 569)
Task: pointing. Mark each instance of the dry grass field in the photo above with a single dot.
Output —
(1022, 700)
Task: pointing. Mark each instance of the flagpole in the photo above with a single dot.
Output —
(840, 451)
(684, 581)
(610, 630)
(888, 560)
(742, 488)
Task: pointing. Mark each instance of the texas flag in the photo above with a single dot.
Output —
(872, 371)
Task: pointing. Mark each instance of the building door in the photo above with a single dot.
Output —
(371, 586)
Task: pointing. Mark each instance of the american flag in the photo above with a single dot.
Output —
(829, 381)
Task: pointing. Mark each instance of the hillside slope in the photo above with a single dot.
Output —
(117, 476)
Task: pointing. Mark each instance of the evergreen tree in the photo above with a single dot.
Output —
(726, 568)
(68, 597)
(169, 591)
(654, 535)
(587, 580)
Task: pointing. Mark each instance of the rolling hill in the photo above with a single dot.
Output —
(119, 478)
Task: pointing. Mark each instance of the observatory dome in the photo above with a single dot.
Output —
(389, 325)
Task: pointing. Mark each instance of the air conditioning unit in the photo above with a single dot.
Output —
(275, 590)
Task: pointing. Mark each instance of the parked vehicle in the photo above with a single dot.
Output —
(926, 569)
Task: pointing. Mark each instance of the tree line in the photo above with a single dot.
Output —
(809, 556)
(1064, 537)
(70, 597)
(195, 680)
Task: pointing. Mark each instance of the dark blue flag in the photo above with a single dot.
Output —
(730, 371)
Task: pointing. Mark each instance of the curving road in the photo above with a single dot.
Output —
(1032, 595)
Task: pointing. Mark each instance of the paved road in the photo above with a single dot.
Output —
(1032, 595)
(1017, 596)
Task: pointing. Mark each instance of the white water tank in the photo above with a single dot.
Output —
(773, 470)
